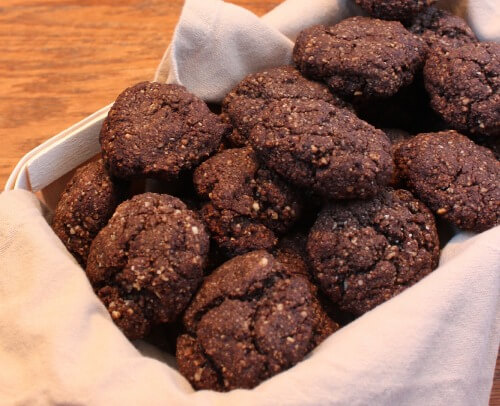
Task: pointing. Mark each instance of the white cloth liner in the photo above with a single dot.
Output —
(435, 343)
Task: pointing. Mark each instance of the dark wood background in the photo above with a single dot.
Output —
(61, 60)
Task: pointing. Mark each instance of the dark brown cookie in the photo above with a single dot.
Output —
(248, 202)
(441, 29)
(249, 321)
(316, 145)
(87, 203)
(464, 86)
(365, 252)
(456, 178)
(253, 94)
(158, 130)
(360, 57)
(402, 10)
(146, 264)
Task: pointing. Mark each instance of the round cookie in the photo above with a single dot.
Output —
(146, 264)
(464, 86)
(249, 321)
(441, 29)
(158, 130)
(85, 206)
(360, 57)
(402, 10)
(248, 203)
(365, 252)
(243, 105)
(456, 178)
(318, 146)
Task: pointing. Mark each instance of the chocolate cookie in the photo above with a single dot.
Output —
(248, 202)
(441, 29)
(252, 95)
(158, 130)
(249, 321)
(148, 261)
(365, 252)
(456, 178)
(316, 145)
(360, 56)
(464, 86)
(87, 203)
(402, 10)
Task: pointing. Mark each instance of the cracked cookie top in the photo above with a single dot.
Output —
(158, 130)
(364, 252)
(402, 10)
(248, 203)
(244, 104)
(249, 321)
(85, 206)
(146, 264)
(316, 145)
(464, 86)
(360, 57)
(456, 178)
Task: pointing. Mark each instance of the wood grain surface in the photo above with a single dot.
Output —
(61, 60)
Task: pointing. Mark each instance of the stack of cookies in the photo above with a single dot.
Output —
(249, 232)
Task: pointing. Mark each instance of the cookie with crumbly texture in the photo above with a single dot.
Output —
(316, 145)
(248, 203)
(364, 252)
(360, 57)
(456, 178)
(244, 104)
(442, 29)
(85, 206)
(158, 130)
(147, 263)
(249, 321)
(402, 10)
(464, 86)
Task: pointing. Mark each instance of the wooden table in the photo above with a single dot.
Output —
(61, 60)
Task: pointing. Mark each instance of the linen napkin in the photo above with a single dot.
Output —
(434, 343)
